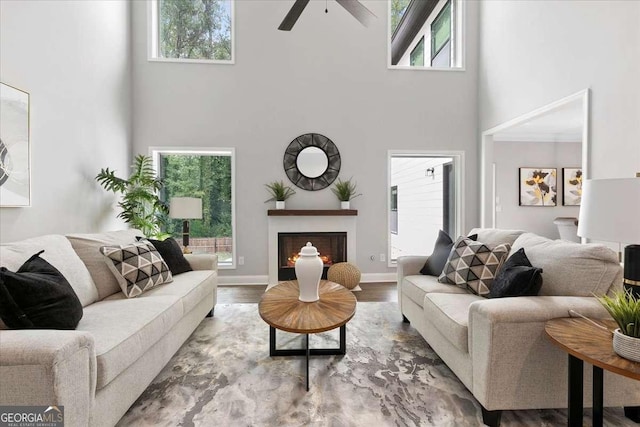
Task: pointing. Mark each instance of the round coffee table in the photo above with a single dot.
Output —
(281, 309)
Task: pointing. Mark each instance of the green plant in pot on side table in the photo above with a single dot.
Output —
(140, 204)
(345, 191)
(279, 192)
(624, 307)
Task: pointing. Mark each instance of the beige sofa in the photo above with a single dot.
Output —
(497, 347)
(98, 370)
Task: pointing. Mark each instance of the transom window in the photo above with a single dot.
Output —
(191, 31)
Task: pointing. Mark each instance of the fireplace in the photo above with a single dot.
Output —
(332, 247)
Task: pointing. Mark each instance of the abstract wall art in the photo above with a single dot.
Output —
(538, 186)
(571, 186)
(15, 169)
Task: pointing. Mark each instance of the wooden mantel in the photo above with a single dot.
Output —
(312, 212)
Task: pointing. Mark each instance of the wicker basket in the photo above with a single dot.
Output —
(626, 346)
(345, 274)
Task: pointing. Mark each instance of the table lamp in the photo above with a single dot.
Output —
(610, 211)
(185, 208)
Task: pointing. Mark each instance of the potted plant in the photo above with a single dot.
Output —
(140, 204)
(624, 307)
(279, 192)
(345, 191)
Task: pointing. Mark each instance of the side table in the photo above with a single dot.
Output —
(584, 342)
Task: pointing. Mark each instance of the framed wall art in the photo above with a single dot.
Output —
(571, 186)
(15, 163)
(538, 186)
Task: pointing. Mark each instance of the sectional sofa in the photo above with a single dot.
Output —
(98, 370)
(497, 347)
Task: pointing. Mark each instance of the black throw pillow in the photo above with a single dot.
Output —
(517, 278)
(438, 258)
(171, 253)
(37, 296)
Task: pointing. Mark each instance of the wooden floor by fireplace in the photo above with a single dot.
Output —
(239, 294)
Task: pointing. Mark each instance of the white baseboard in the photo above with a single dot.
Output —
(264, 279)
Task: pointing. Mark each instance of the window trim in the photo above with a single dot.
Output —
(155, 153)
(153, 39)
(458, 157)
(458, 40)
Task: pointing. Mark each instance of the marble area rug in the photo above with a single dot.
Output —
(223, 376)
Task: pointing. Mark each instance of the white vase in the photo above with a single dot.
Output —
(308, 272)
(279, 204)
(345, 205)
(626, 346)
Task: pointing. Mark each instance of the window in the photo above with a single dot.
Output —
(208, 174)
(441, 38)
(428, 187)
(394, 210)
(426, 34)
(417, 54)
(191, 31)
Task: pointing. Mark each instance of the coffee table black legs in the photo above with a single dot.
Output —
(575, 393)
(307, 352)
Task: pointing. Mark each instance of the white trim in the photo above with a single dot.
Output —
(460, 21)
(458, 170)
(152, 39)
(155, 152)
(263, 279)
(487, 143)
(539, 137)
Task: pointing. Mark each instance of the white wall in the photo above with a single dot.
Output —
(533, 53)
(508, 157)
(73, 59)
(328, 75)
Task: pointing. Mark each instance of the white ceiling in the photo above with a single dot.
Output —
(562, 124)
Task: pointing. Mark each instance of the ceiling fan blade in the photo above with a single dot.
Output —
(294, 13)
(358, 10)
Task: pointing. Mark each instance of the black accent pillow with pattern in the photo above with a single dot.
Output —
(438, 258)
(171, 253)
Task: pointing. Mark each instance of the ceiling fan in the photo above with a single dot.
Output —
(354, 7)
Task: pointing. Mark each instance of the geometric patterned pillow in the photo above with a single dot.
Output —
(138, 267)
(473, 265)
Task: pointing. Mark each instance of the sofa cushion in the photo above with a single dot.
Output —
(449, 314)
(124, 329)
(59, 253)
(415, 287)
(87, 246)
(570, 269)
(517, 278)
(473, 265)
(496, 236)
(37, 296)
(137, 266)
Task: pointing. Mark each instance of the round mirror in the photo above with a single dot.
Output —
(312, 162)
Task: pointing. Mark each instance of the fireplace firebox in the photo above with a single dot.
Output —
(332, 248)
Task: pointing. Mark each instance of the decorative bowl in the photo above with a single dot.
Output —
(626, 346)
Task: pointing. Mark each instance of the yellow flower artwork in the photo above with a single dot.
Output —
(538, 186)
(571, 186)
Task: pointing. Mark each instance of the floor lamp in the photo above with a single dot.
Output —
(185, 208)
(610, 211)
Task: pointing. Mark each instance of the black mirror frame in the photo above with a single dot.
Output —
(290, 161)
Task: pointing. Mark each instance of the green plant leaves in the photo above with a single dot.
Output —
(625, 310)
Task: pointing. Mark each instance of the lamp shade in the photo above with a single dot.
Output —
(185, 208)
(610, 210)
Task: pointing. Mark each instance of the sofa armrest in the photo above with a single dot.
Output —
(49, 367)
(511, 354)
(202, 261)
(407, 266)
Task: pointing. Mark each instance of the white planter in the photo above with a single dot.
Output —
(308, 272)
(626, 346)
(279, 204)
(345, 205)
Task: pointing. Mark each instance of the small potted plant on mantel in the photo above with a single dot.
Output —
(279, 192)
(345, 191)
(624, 307)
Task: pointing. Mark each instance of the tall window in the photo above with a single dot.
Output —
(207, 174)
(441, 38)
(417, 54)
(191, 30)
(393, 226)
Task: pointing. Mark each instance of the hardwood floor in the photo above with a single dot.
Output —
(239, 294)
